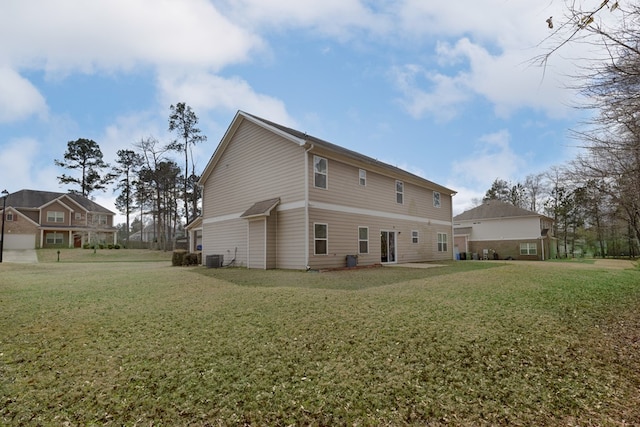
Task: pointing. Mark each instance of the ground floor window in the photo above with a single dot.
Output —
(363, 240)
(414, 236)
(320, 239)
(55, 238)
(442, 242)
(528, 249)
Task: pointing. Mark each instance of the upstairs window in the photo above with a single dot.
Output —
(363, 240)
(99, 219)
(400, 192)
(320, 172)
(436, 199)
(363, 177)
(414, 236)
(9, 216)
(53, 216)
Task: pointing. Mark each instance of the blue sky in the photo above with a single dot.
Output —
(442, 89)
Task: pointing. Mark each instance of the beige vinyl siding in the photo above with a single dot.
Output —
(272, 240)
(256, 165)
(379, 194)
(222, 238)
(343, 239)
(290, 239)
(257, 235)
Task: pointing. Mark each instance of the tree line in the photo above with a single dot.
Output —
(150, 184)
(595, 197)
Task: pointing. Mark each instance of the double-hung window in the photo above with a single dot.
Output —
(363, 240)
(320, 172)
(414, 236)
(55, 238)
(320, 237)
(528, 249)
(400, 192)
(362, 174)
(53, 216)
(436, 199)
(442, 242)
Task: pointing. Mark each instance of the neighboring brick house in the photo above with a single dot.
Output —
(498, 230)
(41, 219)
(275, 197)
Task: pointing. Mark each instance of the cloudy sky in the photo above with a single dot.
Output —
(445, 90)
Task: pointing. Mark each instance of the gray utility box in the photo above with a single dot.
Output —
(214, 261)
(352, 261)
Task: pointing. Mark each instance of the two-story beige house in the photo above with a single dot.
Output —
(274, 197)
(41, 219)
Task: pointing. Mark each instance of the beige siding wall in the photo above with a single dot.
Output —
(272, 240)
(379, 193)
(257, 243)
(343, 239)
(256, 165)
(224, 238)
(290, 239)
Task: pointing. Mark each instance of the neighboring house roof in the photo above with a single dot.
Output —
(34, 199)
(302, 139)
(495, 209)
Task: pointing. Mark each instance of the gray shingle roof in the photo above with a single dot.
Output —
(261, 208)
(33, 199)
(493, 209)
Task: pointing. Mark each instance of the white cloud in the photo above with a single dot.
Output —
(21, 166)
(203, 91)
(444, 99)
(63, 36)
(492, 158)
(19, 99)
(334, 18)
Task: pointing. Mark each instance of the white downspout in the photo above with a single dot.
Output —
(306, 205)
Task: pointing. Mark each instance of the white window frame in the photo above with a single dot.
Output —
(443, 242)
(100, 219)
(55, 216)
(78, 215)
(436, 199)
(52, 238)
(362, 177)
(361, 240)
(415, 236)
(399, 192)
(317, 239)
(8, 216)
(316, 172)
(528, 249)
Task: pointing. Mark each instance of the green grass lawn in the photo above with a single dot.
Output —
(470, 343)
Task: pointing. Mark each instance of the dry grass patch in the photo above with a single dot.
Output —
(76, 255)
(465, 344)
